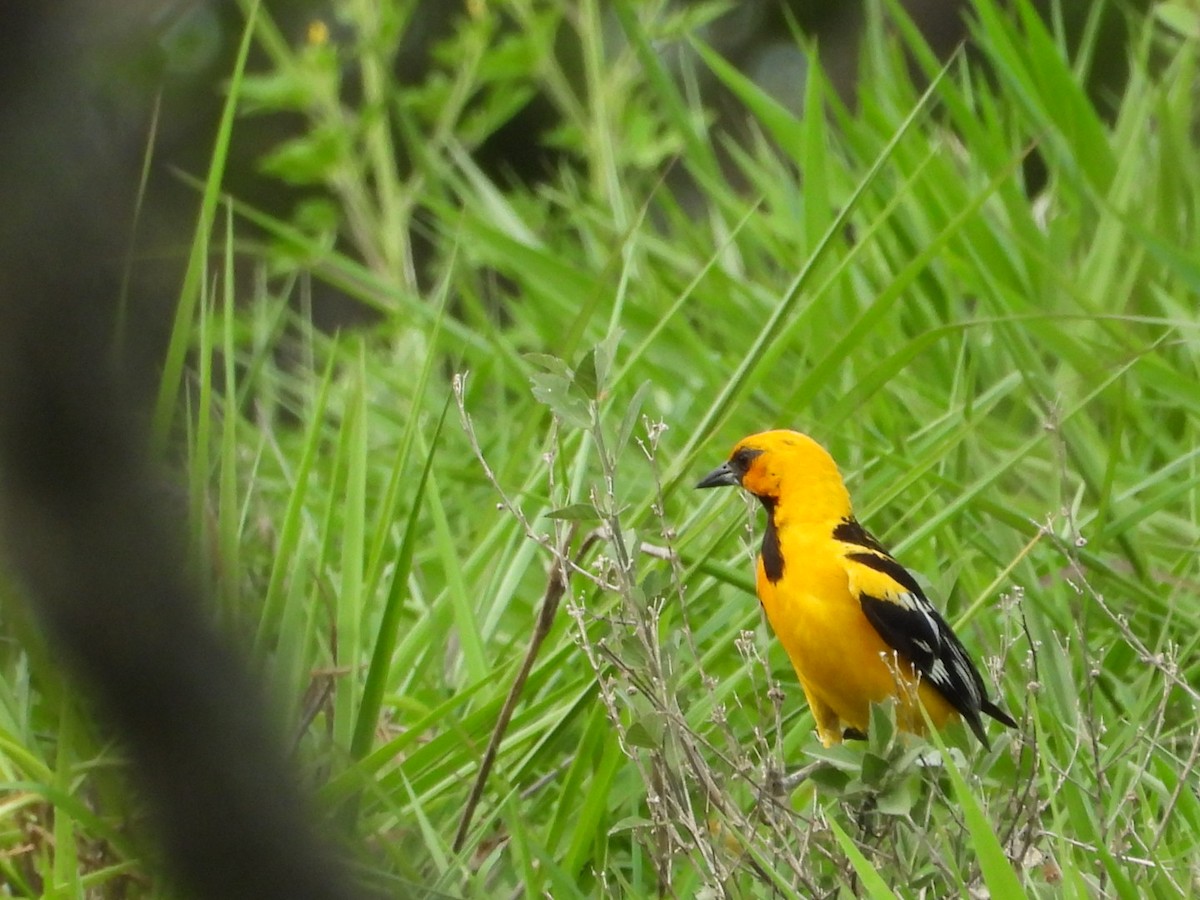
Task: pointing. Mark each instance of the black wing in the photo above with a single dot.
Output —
(910, 625)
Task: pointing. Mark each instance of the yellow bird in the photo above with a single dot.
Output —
(855, 624)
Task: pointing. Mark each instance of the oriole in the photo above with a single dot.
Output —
(855, 624)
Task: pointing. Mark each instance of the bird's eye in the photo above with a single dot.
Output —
(741, 460)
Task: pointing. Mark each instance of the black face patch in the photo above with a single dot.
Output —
(740, 461)
(849, 531)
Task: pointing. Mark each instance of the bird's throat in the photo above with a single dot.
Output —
(772, 553)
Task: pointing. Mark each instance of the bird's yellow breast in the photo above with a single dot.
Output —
(839, 657)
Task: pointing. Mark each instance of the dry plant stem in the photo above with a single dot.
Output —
(562, 566)
(1188, 768)
(1027, 798)
(671, 805)
(678, 823)
(555, 588)
(316, 697)
(458, 384)
(782, 783)
(1089, 694)
(1156, 660)
(678, 799)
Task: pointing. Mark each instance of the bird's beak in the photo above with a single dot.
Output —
(722, 476)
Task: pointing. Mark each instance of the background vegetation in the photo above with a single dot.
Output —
(492, 479)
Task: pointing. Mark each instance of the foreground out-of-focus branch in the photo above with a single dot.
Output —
(87, 534)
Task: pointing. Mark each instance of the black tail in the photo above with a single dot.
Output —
(975, 722)
(998, 714)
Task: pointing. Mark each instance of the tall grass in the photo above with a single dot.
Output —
(1007, 378)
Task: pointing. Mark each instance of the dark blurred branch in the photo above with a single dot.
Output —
(84, 525)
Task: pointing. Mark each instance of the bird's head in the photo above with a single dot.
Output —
(784, 468)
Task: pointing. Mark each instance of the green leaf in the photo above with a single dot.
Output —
(277, 91)
(1182, 18)
(656, 582)
(831, 780)
(847, 759)
(576, 512)
(548, 363)
(633, 653)
(998, 873)
(767, 111)
(646, 732)
(875, 769)
(871, 879)
(638, 598)
(630, 419)
(883, 727)
(587, 380)
(899, 798)
(311, 159)
(554, 391)
(630, 823)
(385, 641)
(604, 355)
